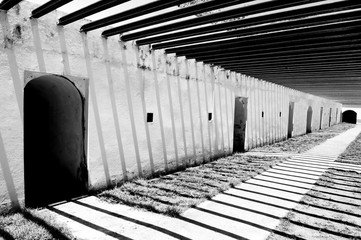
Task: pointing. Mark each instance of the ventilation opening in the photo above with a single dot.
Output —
(210, 116)
(240, 121)
(54, 141)
(149, 117)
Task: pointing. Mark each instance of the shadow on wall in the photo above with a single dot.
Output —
(9, 181)
(54, 149)
(349, 116)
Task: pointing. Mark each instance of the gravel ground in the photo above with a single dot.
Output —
(305, 142)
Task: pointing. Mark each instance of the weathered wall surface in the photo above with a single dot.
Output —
(124, 86)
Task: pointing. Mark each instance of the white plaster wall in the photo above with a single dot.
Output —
(220, 99)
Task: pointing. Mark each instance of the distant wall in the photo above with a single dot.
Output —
(124, 86)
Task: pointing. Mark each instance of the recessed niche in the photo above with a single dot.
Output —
(149, 117)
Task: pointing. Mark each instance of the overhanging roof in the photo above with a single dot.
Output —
(308, 45)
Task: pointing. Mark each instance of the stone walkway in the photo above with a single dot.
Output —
(250, 210)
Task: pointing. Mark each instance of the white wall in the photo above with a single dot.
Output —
(105, 153)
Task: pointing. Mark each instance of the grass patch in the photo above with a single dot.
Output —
(352, 154)
(305, 142)
(174, 193)
(31, 224)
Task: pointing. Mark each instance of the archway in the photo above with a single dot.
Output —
(309, 120)
(349, 116)
(54, 153)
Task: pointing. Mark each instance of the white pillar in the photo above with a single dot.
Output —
(94, 101)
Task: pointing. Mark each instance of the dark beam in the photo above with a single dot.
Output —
(177, 14)
(131, 13)
(310, 64)
(247, 22)
(317, 84)
(313, 79)
(322, 62)
(300, 72)
(317, 71)
(335, 29)
(352, 56)
(7, 4)
(230, 14)
(260, 44)
(306, 76)
(265, 29)
(301, 66)
(294, 58)
(48, 7)
(321, 47)
(89, 10)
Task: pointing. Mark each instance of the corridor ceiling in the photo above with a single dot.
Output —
(308, 45)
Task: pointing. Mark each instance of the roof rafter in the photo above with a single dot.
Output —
(247, 22)
(131, 13)
(89, 10)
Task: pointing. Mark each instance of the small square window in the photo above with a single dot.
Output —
(149, 117)
(210, 116)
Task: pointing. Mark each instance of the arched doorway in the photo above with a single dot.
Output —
(54, 141)
(309, 120)
(349, 116)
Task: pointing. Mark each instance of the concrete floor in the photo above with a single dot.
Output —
(250, 210)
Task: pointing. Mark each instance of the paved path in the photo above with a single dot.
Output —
(248, 211)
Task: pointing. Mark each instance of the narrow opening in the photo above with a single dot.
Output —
(290, 119)
(210, 116)
(240, 122)
(321, 117)
(280, 114)
(262, 114)
(149, 117)
(54, 141)
(330, 118)
(309, 120)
